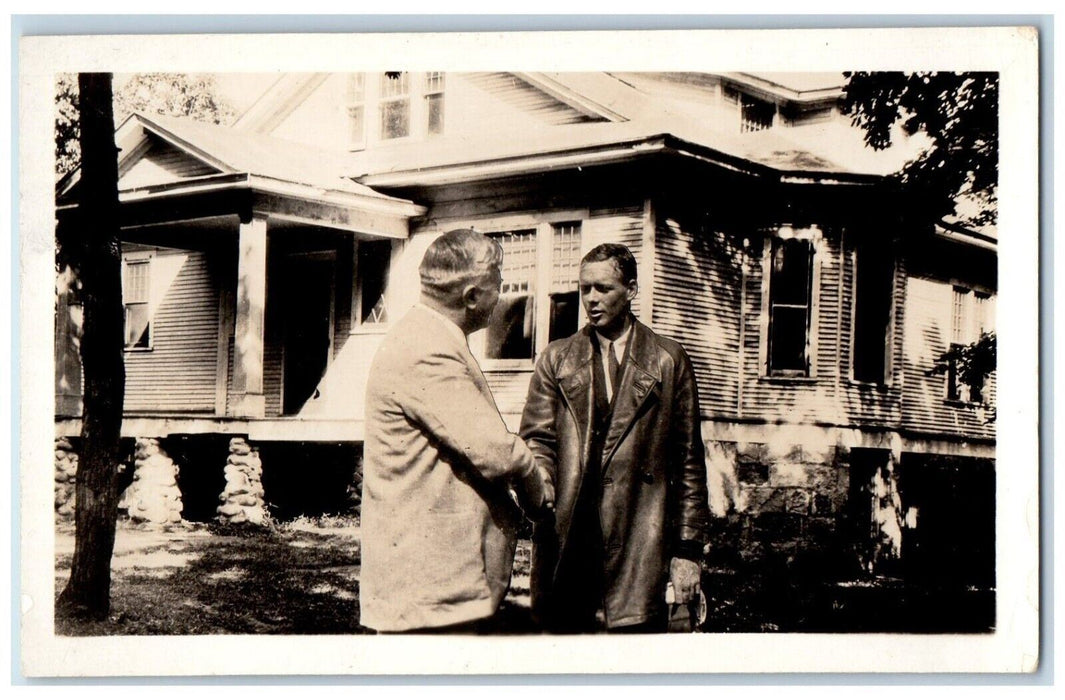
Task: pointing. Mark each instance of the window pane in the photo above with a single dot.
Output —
(564, 309)
(435, 106)
(356, 123)
(959, 325)
(510, 330)
(394, 84)
(519, 260)
(434, 82)
(356, 87)
(790, 283)
(787, 339)
(136, 282)
(374, 257)
(789, 305)
(565, 257)
(137, 325)
(395, 119)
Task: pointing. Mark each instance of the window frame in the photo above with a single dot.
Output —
(975, 323)
(358, 325)
(428, 92)
(814, 237)
(130, 259)
(544, 224)
(384, 100)
(360, 100)
(889, 340)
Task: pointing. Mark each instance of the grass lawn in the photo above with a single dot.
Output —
(298, 578)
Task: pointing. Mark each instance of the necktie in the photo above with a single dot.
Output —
(612, 367)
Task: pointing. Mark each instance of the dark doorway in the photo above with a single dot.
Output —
(307, 302)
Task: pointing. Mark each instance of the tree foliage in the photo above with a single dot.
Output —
(973, 364)
(958, 112)
(169, 94)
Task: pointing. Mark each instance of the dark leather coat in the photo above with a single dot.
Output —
(653, 475)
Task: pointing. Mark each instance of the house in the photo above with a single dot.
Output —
(263, 262)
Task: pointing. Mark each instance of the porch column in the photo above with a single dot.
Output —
(248, 399)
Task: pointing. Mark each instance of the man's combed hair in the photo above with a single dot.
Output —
(621, 255)
(455, 259)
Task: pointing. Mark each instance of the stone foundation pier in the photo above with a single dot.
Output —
(242, 499)
(154, 495)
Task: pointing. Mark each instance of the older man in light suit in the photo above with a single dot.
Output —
(438, 521)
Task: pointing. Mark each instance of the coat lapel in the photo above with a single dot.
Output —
(640, 379)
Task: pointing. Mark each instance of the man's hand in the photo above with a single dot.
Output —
(539, 493)
(684, 575)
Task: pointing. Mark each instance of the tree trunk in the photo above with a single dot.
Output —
(88, 593)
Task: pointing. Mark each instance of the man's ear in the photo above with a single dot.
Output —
(633, 289)
(471, 294)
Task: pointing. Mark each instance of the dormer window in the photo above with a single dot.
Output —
(755, 114)
(395, 105)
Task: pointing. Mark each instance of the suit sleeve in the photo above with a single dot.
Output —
(689, 463)
(448, 404)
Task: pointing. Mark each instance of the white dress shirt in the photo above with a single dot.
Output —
(619, 352)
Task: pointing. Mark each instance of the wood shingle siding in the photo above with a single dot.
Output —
(178, 373)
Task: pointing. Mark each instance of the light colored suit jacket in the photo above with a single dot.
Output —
(438, 526)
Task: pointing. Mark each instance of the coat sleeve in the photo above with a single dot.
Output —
(445, 400)
(538, 419)
(689, 464)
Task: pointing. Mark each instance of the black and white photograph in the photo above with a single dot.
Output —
(398, 346)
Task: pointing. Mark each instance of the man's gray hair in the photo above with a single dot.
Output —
(456, 259)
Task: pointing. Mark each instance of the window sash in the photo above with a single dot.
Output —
(789, 308)
(536, 305)
(136, 283)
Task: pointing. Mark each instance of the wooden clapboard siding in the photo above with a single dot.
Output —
(623, 224)
(163, 163)
(509, 388)
(813, 399)
(927, 335)
(864, 404)
(697, 302)
(178, 373)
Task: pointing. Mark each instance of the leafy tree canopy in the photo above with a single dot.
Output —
(170, 94)
(958, 112)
